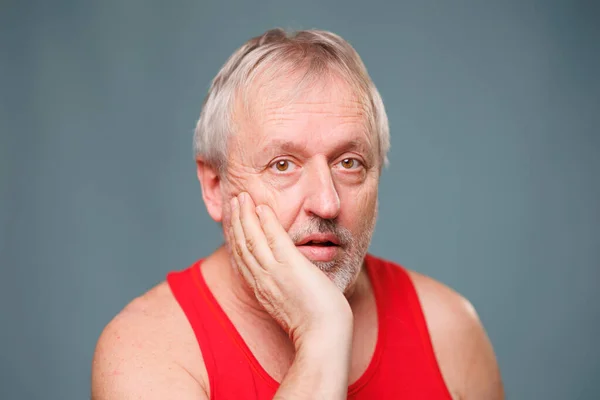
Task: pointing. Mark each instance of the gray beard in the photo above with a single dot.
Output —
(343, 271)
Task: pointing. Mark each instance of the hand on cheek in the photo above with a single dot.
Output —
(294, 291)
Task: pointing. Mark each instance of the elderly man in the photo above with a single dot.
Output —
(289, 148)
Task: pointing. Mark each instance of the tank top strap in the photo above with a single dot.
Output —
(233, 371)
(408, 366)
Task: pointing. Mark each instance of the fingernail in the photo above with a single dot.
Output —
(242, 197)
(233, 203)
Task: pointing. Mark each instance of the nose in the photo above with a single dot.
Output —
(322, 199)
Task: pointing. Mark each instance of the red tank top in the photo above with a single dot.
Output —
(403, 365)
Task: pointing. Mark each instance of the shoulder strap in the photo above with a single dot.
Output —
(231, 372)
(408, 359)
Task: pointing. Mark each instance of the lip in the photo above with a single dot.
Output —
(319, 237)
(319, 253)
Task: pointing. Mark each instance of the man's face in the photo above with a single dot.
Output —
(315, 163)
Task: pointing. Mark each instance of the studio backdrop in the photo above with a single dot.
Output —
(493, 185)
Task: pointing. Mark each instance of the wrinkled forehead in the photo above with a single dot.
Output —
(284, 91)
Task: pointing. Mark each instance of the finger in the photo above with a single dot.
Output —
(239, 242)
(239, 263)
(256, 241)
(278, 240)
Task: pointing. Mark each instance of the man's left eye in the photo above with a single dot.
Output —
(350, 163)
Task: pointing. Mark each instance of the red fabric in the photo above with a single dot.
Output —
(403, 365)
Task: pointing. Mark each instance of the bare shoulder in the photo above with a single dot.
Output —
(462, 347)
(148, 351)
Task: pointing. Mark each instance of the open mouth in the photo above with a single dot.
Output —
(319, 239)
(320, 247)
(326, 243)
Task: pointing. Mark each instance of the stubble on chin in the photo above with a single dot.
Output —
(345, 271)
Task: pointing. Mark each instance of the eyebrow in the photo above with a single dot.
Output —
(287, 146)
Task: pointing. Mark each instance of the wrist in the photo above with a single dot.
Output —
(333, 336)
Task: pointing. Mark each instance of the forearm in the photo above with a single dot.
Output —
(320, 369)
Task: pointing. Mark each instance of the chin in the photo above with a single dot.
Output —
(342, 273)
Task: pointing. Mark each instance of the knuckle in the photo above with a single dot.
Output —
(250, 244)
(238, 249)
(260, 291)
(263, 290)
(271, 241)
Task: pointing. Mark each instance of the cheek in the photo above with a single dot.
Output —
(283, 196)
(287, 205)
(358, 206)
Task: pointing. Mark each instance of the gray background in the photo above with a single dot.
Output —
(493, 186)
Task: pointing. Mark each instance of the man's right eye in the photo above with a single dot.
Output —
(283, 166)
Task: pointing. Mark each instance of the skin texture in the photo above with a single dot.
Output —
(303, 301)
(148, 350)
(314, 136)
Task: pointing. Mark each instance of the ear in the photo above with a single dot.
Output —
(210, 182)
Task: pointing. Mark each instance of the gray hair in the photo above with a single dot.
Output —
(277, 53)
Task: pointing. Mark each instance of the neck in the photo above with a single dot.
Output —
(239, 297)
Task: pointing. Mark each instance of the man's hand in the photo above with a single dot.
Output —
(300, 297)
